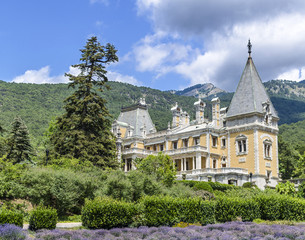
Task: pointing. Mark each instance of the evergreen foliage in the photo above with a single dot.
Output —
(19, 146)
(83, 131)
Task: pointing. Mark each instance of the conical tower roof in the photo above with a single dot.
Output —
(250, 93)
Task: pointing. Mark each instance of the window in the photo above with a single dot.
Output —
(148, 148)
(214, 163)
(196, 141)
(185, 142)
(161, 147)
(223, 162)
(267, 149)
(175, 145)
(214, 141)
(155, 148)
(223, 143)
(241, 145)
(232, 182)
(126, 146)
(129, 164)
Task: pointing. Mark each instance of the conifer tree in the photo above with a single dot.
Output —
(19, 146)
(83, 131)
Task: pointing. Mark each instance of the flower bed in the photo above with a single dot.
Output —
(230, 230)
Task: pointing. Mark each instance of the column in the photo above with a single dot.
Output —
(194, 163)
(198, 161)
(125, 166)
(181, 164)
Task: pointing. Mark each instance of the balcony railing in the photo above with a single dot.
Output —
(214, 171)
(138, 151)
(171, 152)
(190, 149)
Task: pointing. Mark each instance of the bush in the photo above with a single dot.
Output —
(62, 189)
(179, 190)
(107, 213)
(221, 186)
(292, 208)
(270, 207)
(118, 186)
(247, 185)
(43, 218)
(167, 211)
(11, 217)
(301, 190)
(229, 209)
(202, 186)
(143, 184)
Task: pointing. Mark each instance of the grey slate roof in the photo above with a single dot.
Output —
(137, 116)
(250, 94)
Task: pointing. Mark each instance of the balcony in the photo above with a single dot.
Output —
(214, 171)
(185, 150)
(138, 151)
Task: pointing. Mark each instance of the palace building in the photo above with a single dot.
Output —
(238, 145)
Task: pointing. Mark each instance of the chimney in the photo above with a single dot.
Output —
(176, 115)
(199, 106)
(216, 111)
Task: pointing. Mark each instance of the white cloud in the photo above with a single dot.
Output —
(117, 77)
(43, 76)
(293, 74)
(220, 30)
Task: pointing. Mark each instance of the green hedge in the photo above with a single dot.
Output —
(230, 209)
(43, 218)
(167, 211)
(11, 217)
(107, 213)
(202, 186)
(270, 207)
(214, 185)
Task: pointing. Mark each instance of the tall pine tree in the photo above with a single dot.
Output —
(19, 146)
(83, 131)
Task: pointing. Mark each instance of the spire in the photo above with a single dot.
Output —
(250, 93)
(249, 48)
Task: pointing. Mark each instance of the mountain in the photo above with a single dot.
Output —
(37, 104)
(203, 90)
(288, 97)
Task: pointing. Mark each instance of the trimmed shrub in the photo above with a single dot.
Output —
(229, 209)
(107, 213)
(292, 208)
(11, 217)
(167, 211)
(270, 206)
(247, 185)
(220, 186)
(202, 186)
(43, 218)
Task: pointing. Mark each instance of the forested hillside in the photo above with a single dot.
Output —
(38, 104)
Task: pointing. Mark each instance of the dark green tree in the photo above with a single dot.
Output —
(288, 158)
(19, 146)
(83, 131)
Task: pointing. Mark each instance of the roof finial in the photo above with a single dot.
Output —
(249, 48)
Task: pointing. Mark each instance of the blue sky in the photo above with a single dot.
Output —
(162, 44)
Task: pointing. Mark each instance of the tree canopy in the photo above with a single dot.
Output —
(83, 131)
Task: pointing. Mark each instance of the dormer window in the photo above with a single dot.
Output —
(241, 145)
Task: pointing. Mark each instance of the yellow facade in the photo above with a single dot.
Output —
(246, 161)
